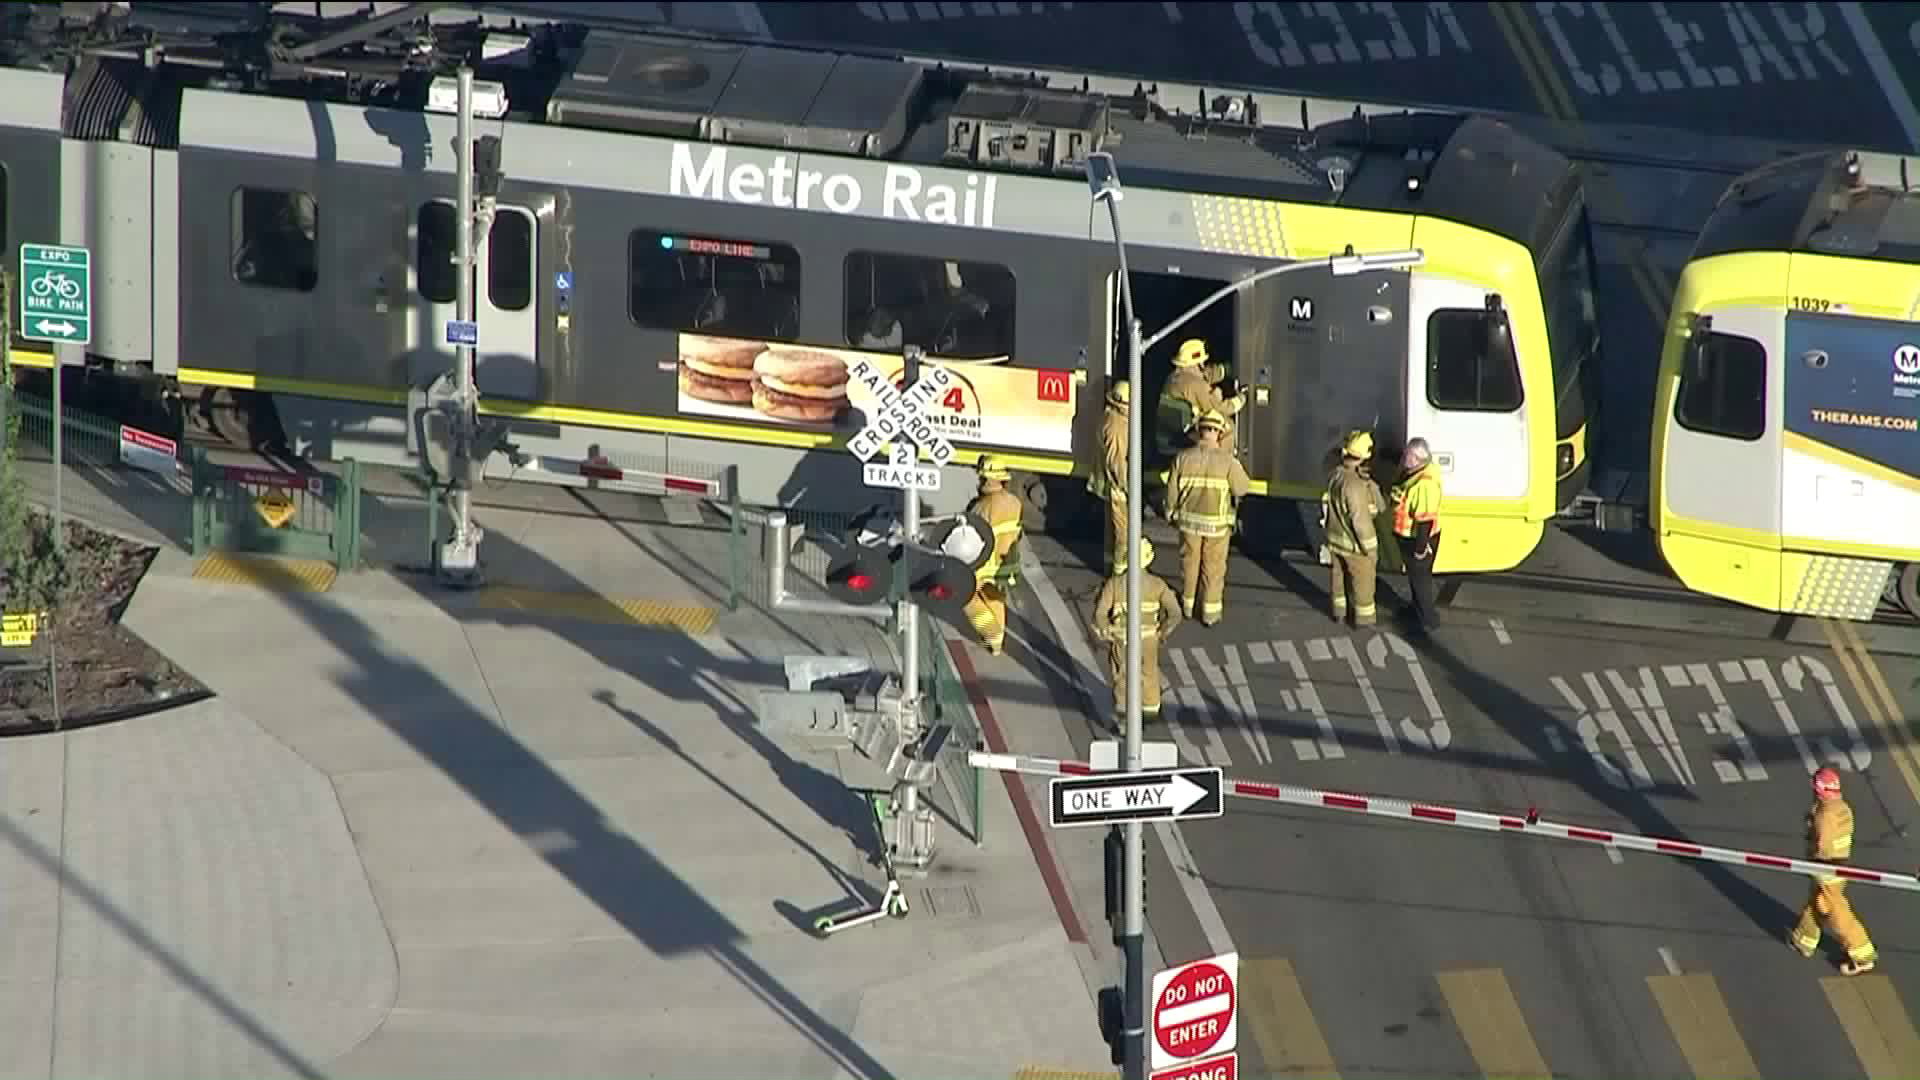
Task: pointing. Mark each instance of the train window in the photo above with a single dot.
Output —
(1466, 370)
(510, 261)
(1573, 325)
(728, 288)
(435, 237)
(1726, 394)
(276, 239)
(949, 308)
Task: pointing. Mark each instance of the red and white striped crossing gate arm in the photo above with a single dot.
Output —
(638, 481)
(1529, 824)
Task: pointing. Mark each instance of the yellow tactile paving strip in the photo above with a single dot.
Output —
(1036, 1072)
(267, 572)
(610, 610)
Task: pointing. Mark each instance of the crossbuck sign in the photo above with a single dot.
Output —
(900, 419)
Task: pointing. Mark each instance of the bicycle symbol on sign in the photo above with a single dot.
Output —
(56, 283)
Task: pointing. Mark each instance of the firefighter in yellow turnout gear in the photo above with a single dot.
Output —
(1830, 840)
(1201, 489)
(1189, 394)
(1107, 480)
(1159, 615)
(1348, 509)
(987, 610)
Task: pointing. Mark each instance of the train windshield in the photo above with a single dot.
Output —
(1566, 286)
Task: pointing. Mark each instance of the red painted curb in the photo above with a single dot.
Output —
(1017, 792)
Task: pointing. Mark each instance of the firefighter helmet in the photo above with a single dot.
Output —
(1359, 445)
(1146, 557)
(1826, 784)
(1211, 419)
(1119, 394)
(1193, 353)
(992, 468)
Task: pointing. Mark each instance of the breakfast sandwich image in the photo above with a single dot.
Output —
(719, 370)
(807, 386)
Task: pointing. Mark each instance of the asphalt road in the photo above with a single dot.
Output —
(1421, 951)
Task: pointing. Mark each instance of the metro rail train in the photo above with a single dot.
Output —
(694, 240)
(1786, 443)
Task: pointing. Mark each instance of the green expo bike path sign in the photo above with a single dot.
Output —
(56, 294)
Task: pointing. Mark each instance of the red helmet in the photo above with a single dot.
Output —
(1826, 784)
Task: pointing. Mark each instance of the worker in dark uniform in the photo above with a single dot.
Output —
(1190, 391)
(1107, 622)
(1201, 488)
(1416, 522)
(986, 611)
(1107, 479)
(1830, 840)
(1347, 511)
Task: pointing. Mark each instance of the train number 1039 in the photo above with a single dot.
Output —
(1811, 303)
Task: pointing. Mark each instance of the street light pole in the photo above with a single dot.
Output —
(1105, 182)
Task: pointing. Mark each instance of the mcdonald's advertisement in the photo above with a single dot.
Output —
(814, 388)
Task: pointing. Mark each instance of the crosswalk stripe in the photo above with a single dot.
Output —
(1275, 1007)
(1489, 1019)
(1697, 1014)
(1876, 1024)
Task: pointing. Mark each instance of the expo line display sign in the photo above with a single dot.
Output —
(810, 387)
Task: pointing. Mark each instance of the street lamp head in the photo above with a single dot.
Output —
(1349, 263)
(1103, 178)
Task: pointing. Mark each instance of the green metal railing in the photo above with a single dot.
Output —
(313, 515)
(948, 702)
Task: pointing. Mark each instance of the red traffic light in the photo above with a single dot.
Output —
(860, 575)
(859, 582)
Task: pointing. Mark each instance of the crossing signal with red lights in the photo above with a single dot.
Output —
(938, 565)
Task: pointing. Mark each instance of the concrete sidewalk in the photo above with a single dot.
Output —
(415, 834)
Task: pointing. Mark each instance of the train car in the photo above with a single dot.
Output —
(1786, 442)
(30, 151)
(695, 244)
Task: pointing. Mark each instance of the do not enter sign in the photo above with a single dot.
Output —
(1194, 1010)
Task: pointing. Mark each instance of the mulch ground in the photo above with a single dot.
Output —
(105, 671)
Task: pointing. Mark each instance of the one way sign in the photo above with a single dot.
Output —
(1172, 795)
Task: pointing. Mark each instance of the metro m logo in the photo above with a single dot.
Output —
(1055, 386)
(1301, 309)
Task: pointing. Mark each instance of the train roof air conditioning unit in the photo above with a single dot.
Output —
(1041, 130)
(748, 94)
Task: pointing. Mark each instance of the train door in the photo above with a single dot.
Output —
(1158, 298)
(1463, 390)
(504, 308)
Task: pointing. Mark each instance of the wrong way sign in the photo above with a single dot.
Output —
(1195, 1010)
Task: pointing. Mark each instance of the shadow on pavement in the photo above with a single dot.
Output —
(192, 981)
(607, 867)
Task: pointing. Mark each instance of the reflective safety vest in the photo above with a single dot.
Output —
(1003, 511)
(1416, 499)
(1830, 834)
(1201, 487)
(1159, 609)
(1108, 477)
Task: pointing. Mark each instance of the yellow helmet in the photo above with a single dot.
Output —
(1359, 444)
(1119, 393)
(1211, 419)
(1193, 353)
(992, 468)
(1146, 557)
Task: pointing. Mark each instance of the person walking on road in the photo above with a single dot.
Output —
(1830, 840)
(1189, 393)
(1107, 479)
(1348, 509)
(1416, 522)
(986, 611)
(1159, 615)
(1201, 488)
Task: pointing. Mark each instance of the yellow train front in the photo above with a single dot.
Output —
(1786, 442)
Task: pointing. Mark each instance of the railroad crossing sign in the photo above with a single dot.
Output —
(1111, 798)
(901, 470)
(1195, 1015)
(897, 417)
(56, 294)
